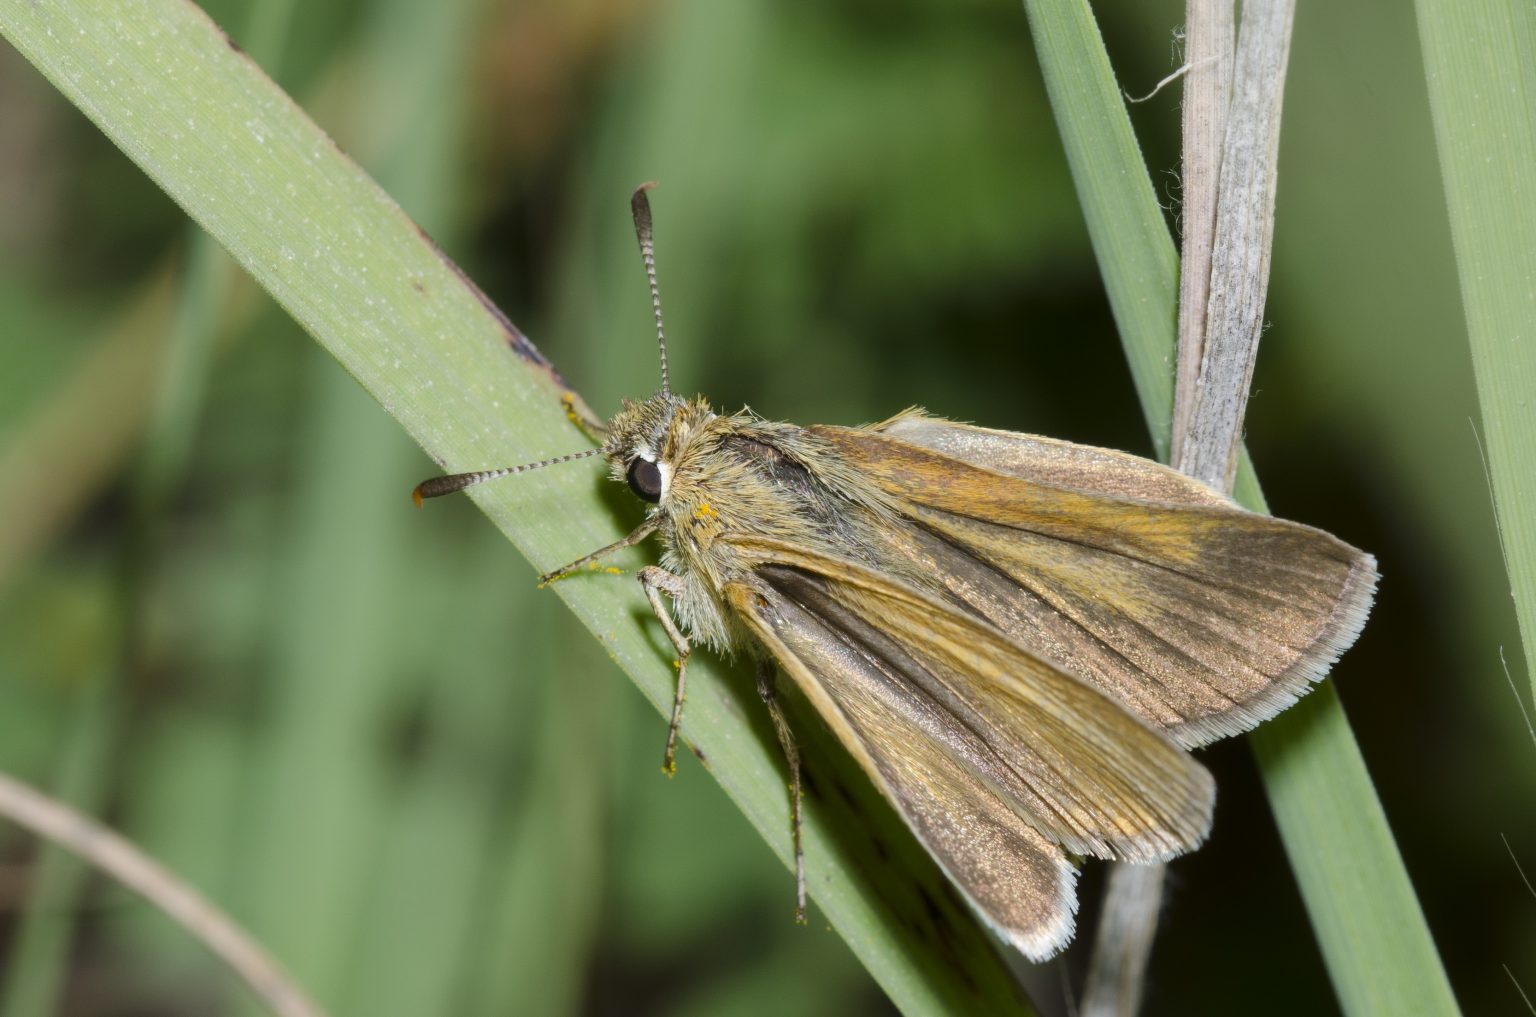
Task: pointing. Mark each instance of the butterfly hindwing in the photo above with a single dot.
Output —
(1018, 880)
(1072, 762)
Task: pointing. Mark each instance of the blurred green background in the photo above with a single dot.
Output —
(361, 729)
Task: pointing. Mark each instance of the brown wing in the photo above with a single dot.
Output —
(1062, 756)
(1203, 618)
(1017, 879)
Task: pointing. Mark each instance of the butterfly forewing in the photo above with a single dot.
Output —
(1203, 618)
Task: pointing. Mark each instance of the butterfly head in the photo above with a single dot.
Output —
(644, 440)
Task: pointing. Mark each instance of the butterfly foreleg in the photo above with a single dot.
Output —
(579, 413)
(656, 581)
(642, 531)
(767, 689)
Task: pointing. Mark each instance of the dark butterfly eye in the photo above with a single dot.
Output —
(644, 479)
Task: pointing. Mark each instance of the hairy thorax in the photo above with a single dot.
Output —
(737, 477)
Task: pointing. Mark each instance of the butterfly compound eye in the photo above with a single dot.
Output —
(645, 480)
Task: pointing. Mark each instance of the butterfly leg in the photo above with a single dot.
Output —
(644, 530)
(767, 689)
(657, 581)
(579, 413)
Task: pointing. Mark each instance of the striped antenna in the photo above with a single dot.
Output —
(454, 482)
(640, 207)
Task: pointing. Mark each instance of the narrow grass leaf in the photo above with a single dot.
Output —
(1362, 906)
(1480, 65)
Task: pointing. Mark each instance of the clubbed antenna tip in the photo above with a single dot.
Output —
(436, 487)
(640, 208)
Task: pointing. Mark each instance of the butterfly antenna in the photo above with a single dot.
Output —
(439, 486)
(640, 207)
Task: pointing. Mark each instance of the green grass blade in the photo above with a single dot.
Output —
(1130, 238)
(1362, 906)
(198, 116)
(410, 950)
(1480, 63)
